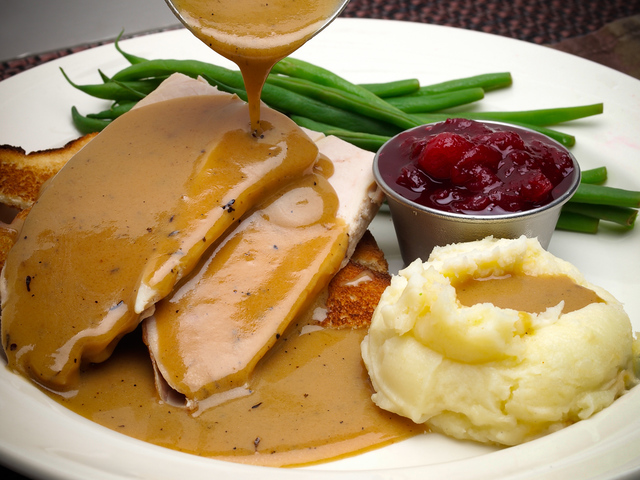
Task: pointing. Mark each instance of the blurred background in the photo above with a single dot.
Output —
(39, 26)
(34, 31)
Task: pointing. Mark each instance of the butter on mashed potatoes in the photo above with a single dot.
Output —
(490, 374)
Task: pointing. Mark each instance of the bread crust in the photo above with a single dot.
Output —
(355, 290)
(22, 174)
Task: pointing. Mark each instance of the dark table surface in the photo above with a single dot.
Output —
(604, 31)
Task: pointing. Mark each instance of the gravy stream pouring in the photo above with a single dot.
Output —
(255, 34)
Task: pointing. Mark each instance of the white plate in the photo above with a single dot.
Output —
(39, 437)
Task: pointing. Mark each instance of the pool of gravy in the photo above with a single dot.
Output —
(255, 34)
(527, 293)
(310, 403)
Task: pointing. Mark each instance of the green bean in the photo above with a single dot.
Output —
(548, 116)
(304, 70)
(371, 143)
(87, 125)
(624, 216)
(542, 117)
(130, 58)
(138, 90)
(103, 76)
(116, 90)
(344, 100)
(487, 81)
(436, 101)
(223, 87)
(164, 68)
(147, 81)
(575, 222)
(604, 195)
(594, 175)
(292, 103)
(115, 111)
(393, 89)
(294, 67)
(365, 141)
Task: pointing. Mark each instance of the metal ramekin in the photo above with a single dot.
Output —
(419, 229)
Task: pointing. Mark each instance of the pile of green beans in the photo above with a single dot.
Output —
(367, 115)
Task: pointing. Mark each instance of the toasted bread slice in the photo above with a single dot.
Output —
(23, 174)
(355, 290)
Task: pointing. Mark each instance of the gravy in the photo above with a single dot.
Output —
(207, 336)
(127, 217)
(527, 293)
(310, 402)
(255, 34)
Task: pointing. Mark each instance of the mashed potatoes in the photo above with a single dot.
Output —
(492, 374)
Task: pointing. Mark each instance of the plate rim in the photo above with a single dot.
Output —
(6, 452)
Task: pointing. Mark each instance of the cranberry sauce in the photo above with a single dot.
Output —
(464, 166)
